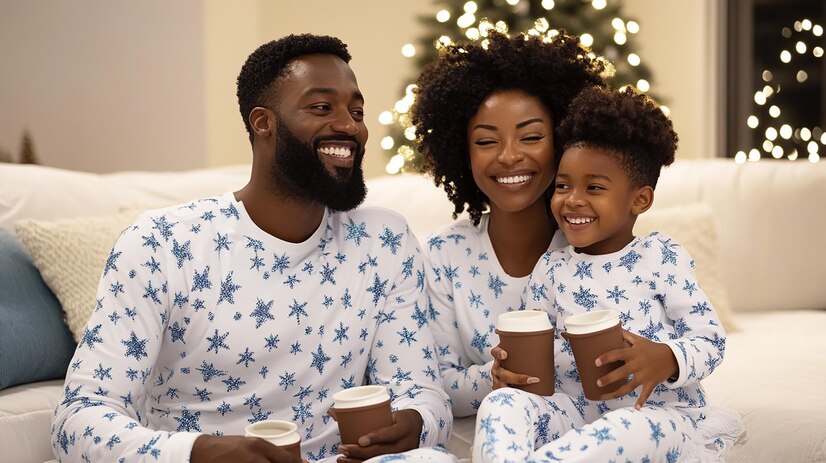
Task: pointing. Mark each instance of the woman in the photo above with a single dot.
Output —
(485, 116)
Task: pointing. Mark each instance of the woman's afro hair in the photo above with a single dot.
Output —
(626, 123)
(450, 90)
(269, 62)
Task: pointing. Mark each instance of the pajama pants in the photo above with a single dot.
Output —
(515, 426)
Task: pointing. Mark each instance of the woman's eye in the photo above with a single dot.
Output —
(534, 138)
(484, 142)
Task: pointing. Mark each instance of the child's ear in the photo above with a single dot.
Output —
(643, 199)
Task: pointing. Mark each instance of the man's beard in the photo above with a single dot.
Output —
(298, 172)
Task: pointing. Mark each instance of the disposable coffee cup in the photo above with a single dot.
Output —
(282, 434)
(361, 410)
(592, 334)
(528, 338)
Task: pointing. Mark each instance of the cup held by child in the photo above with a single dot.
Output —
(592, 334)
(280, 433)
(361, 410)
(528, 338)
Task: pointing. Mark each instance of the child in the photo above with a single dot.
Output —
(615, 144)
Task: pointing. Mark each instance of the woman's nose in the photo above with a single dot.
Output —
(509, 155)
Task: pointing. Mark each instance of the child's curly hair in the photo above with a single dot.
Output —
(626, 123)
(450, 90)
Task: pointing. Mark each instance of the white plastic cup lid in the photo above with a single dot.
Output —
(590, 322)
(277, 432)
(360, 396)
(523, 321)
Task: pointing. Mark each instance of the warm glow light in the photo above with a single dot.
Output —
(786, 131)
(410, 133)
(387, 143)
(817, 30)
(806, 24)
(805, 134)
(754, 155)
(760, 98)
(767, 146)
(823, 138)
(801, 76)
(785, 56)
(471, 7)
(793, 155)
(771, 134)
(767, 90)
(385, 118)
(777, 152)
(443, 16)
(740, 157)
(632, 27)
(800, 47)
(620, 38)
(752, 121)
(599, 4)
(466, 20)
(473, 33)
(512, 2)
(817, 51)
(395, 164)
(767, 76)
(586, 39)
(548, 4)
(409, 50)
(642, 84)
(774, 111)
(618, 24)
(814, 157)
(812, 147)
(666, 110)
(633, 59)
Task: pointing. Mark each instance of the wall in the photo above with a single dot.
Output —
(103, 85)
(150, 84)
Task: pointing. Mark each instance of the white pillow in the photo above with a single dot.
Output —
(692, 225)
(71, 254)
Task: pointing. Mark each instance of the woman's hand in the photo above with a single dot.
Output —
(401, 436)
(649, 363)
(505, 378)
(209, 449)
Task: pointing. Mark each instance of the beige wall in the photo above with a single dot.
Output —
(150, 84)
(104, 85)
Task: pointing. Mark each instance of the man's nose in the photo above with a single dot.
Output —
(345, 123)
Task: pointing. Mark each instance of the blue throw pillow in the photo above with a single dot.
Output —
(35, 343)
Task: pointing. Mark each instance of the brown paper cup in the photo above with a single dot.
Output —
(282, 434)
(357, 421)
(530, 353)
(586, 348)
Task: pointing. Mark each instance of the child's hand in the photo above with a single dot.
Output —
(649, 362)
(504, 378)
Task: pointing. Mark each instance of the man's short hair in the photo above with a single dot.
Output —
(266, 65)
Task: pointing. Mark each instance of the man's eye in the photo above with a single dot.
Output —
(322, 107)
(357, 114)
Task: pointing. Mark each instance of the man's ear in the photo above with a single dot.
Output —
(262, 121)
(643, 199)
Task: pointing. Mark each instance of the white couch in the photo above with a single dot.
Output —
(768, 217)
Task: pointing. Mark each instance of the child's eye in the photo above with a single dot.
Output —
(561, 186)
(595, 187)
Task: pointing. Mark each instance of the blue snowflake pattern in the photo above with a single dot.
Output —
(135, 347)
(388, 239)
(669, 256)
(616, 294)
(181, 252)
(328, 274)
(585, 298)
(496, 285)
(378, 289)
(356, 232)
(320, 358)
(163, 226)
(246, 357)
(297, 309)
(583, 270)
(262, 312)
(188, 421)
(216, 341)
(91, 336)
(480, 341)
(222, 242)
(281, 263)
(435, 242)
(228, 289)
(630, 260)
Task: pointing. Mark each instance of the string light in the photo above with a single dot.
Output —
(632, 27)
(408, 50)
(443, 16)
(787, 141)
(599, 4)
(633, 59)
(548, 4)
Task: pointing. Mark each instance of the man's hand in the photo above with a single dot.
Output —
(649, 362)
(401, 436)
(208, 449)
(504, 378)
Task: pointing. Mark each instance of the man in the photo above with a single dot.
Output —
(261, 304)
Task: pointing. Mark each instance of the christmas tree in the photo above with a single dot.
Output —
(599, 23)
(785, 119)
(27, 154)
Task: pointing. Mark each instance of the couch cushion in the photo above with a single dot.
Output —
(25, 421)
(35, 344)
(769, 219)
(47, 193)
(71, 255)
(692, 225)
